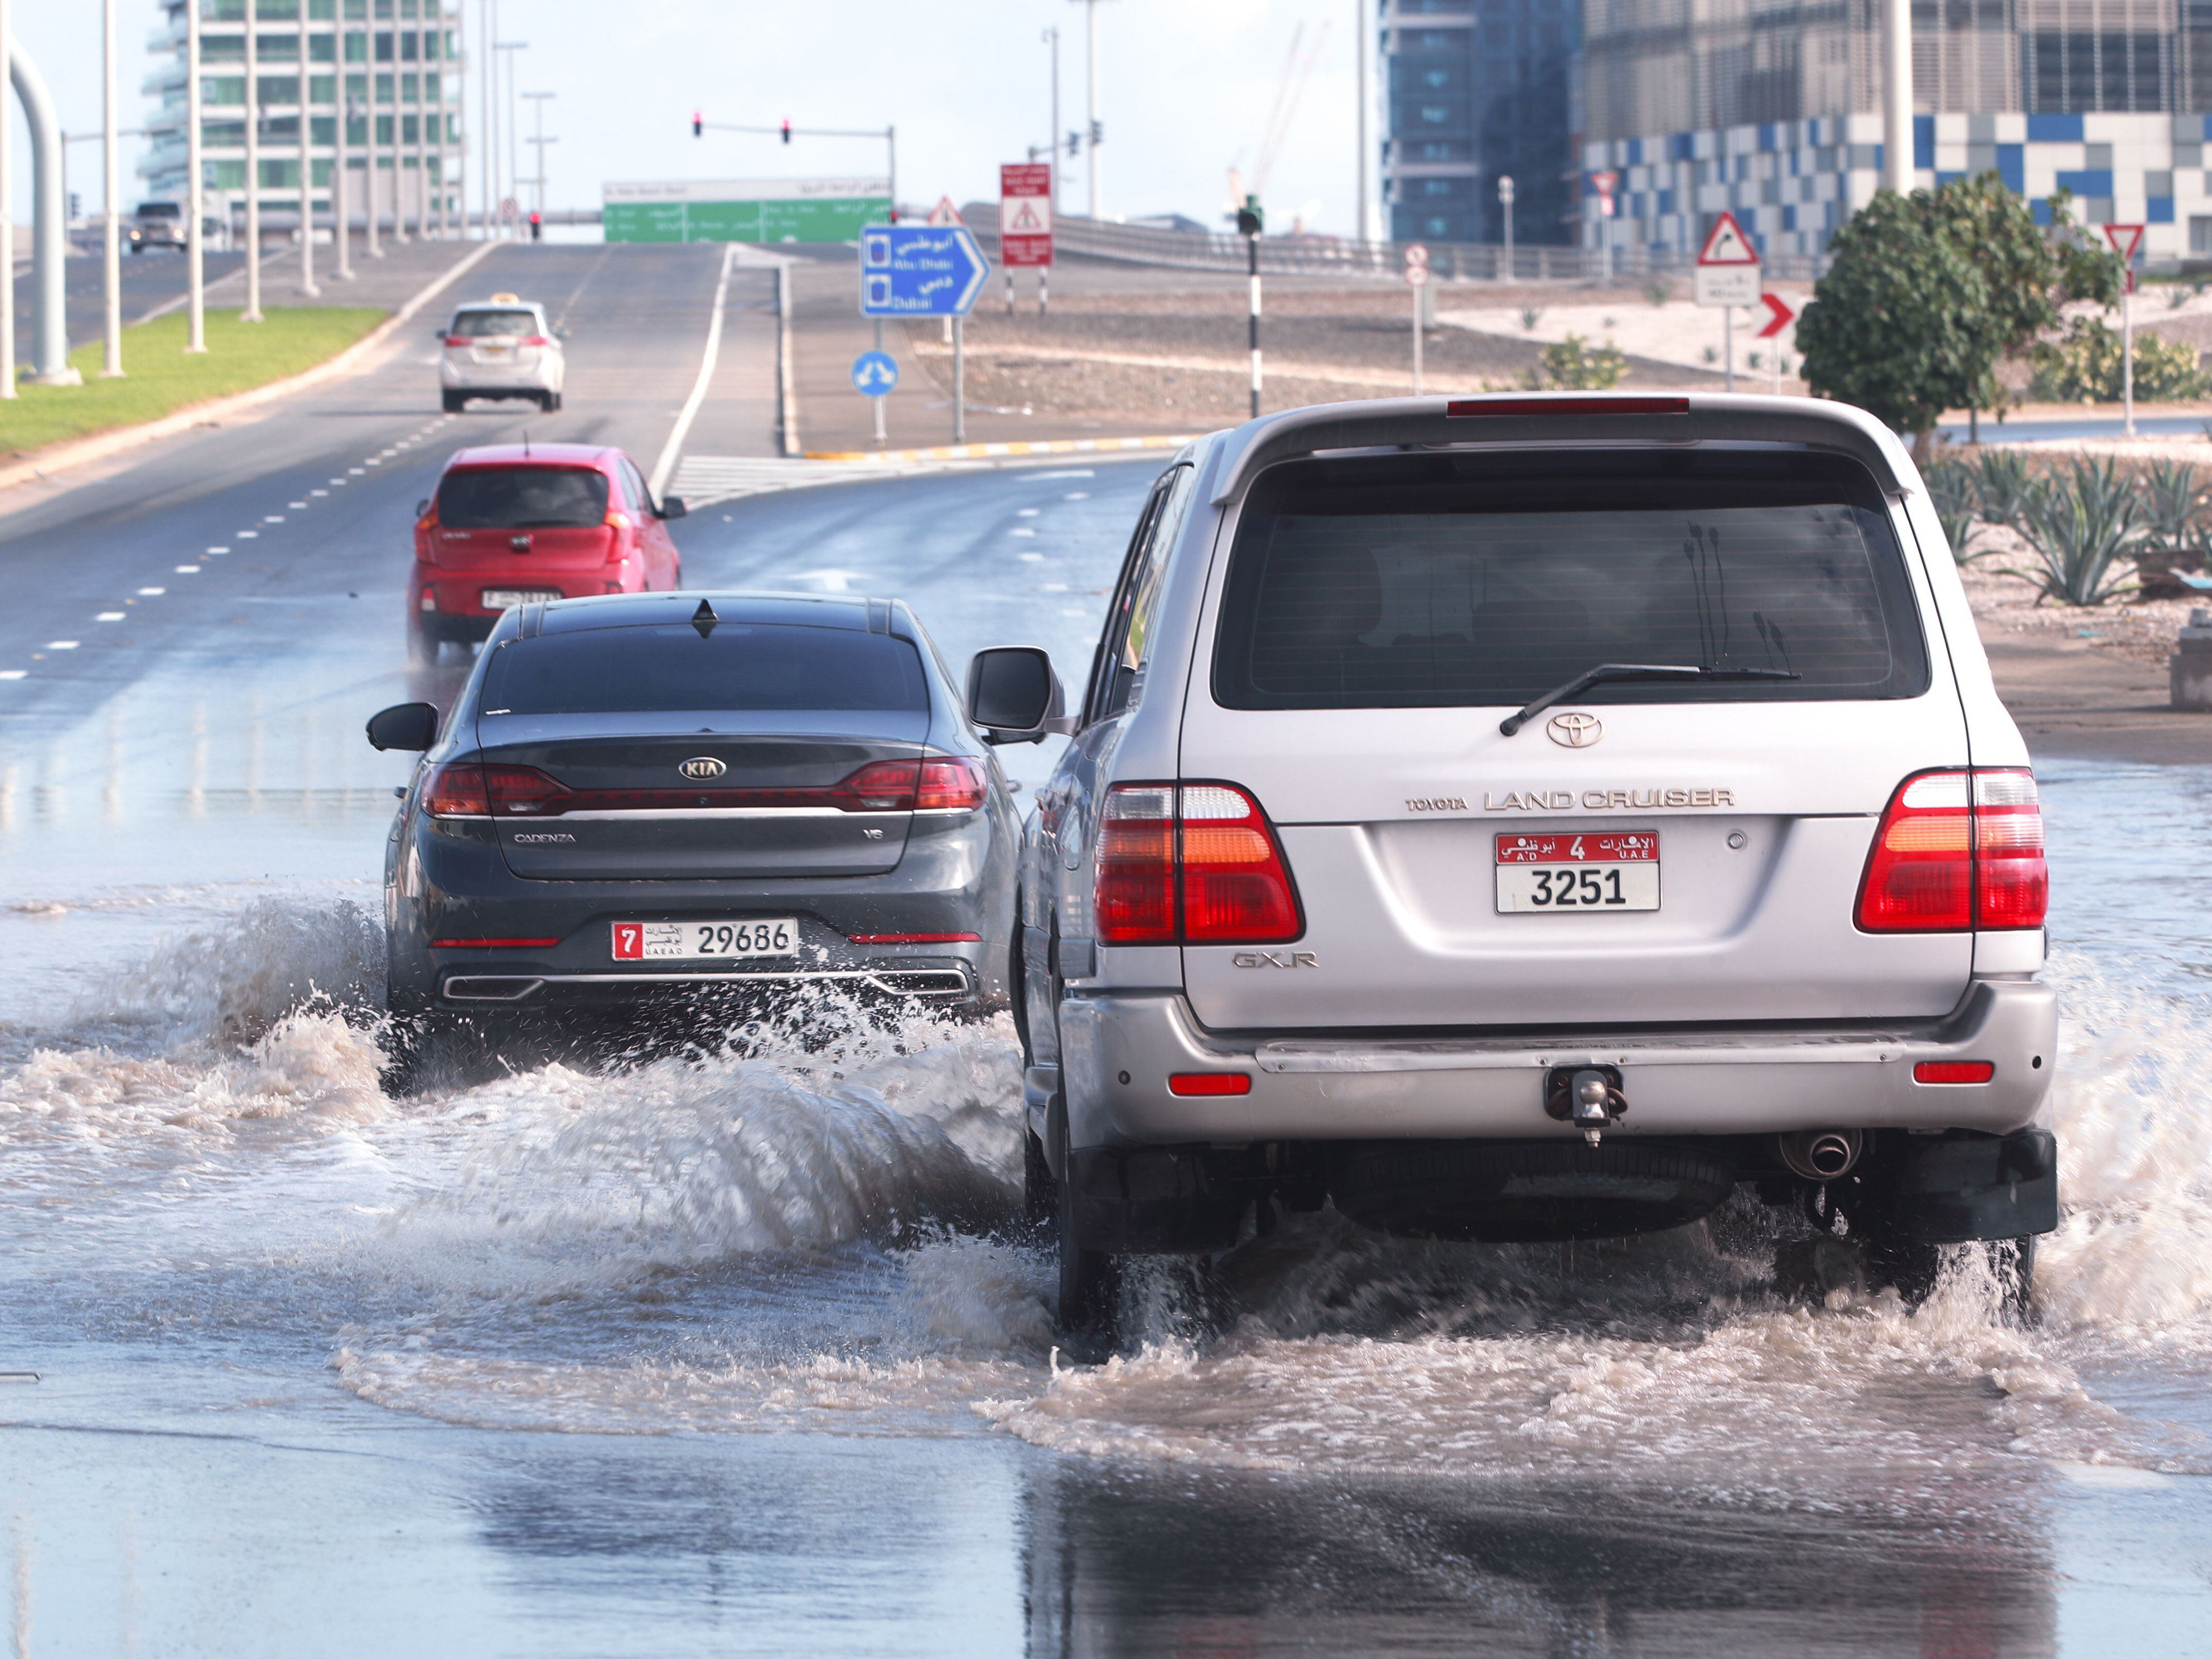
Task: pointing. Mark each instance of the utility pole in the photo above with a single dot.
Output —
(8, 204)
(514, 143)
(541, 141)
(491, 163)
(112, 233)
(369, 145)
(1051, 37)
(194, 189)
(1897, 96)
(307, 166)
(1095, 132)
(1363, 232)
(341, 159)
(1505, 206)
(252, 311)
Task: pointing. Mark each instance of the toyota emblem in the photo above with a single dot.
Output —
(700, 768)
(1576, 730)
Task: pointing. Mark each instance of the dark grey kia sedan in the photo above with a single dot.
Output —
(658, 798)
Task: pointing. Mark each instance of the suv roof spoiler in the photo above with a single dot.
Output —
(1562, 417)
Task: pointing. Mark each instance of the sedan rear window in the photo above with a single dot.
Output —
(653, 669)
(1449, 580)
(486, 324)
(522, 498)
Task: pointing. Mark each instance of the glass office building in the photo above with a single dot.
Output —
(1477, 90)
(398, 64)
(1770, 109)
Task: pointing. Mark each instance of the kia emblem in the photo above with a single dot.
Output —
(1575, 729)
(700, 768)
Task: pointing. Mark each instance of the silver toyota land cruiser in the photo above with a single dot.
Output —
(1529, 818)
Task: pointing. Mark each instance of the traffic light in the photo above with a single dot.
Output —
(698, 124)
(786, 129)
(536, 226)
(1250, 218)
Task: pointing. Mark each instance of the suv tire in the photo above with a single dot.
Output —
(1090, 1284)
(453, 402)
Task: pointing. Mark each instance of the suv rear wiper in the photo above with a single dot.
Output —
(1634, 671)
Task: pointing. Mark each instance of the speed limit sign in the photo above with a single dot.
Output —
(1417, 275)
(1416, 254)
(509, 208)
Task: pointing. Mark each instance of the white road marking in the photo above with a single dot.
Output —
(247, 535)
(321, 492)
(61, 645)
(218, 549)
(664, 467)
(1025, 513)
(272, 518)
(1080, 495)
(188, 570)
(299, 507)
(151, 592)
(109, 616)
(705, 480)
(1021, 530)
(1032, 558)
(372, 461)
(12, 673)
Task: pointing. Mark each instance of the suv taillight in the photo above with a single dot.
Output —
(1194, 864)
(457, 340)
(1958, 850)
(537, 340)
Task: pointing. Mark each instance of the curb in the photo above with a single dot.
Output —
(995, 452)
(101, 445)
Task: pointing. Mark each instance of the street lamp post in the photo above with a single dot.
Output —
(252, 311)
(514, 143)
(537, 184)
(1505, 206)
(195, 191)
(111, 232)
(1094, 132)
(307, 165)
(8, 214)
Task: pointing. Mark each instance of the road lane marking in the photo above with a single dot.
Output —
(371, 461)
(61, 645)
(247, 535)
(1032, 558)
(109, 616)
(321, 492)
(299, 507)
(188, 570)
(151, 592)
(12, 673)
(218, 549)
(664, 467)
(1021, 530)
(272, 518)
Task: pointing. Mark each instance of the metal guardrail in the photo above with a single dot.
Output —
(1147, 244)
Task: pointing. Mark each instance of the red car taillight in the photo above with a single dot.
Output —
(1196, 863)
(457, 340)
(950, 783)
(537, 340)
(1958, 850)
(470, 789)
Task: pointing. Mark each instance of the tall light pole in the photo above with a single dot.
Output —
(252, 311)
(341, 157)
(1051, 37)
(513, 146)
(112, 231)
(8, 212)
(1897, 96)
(307, 166)
(1367, 231)
(194, 189)
(541, 141)
(369, 146)
(400, 147)
(1094, 132)
(489, 165)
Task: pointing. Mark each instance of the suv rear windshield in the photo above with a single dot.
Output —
(484, 325)
(659, 670)
(522, 498)
(1445, 581)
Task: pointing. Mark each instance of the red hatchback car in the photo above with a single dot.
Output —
(515, 523)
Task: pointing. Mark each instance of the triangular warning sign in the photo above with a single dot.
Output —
(1025, 219)
(2124, 240)
(945, 213)
(1726, 245)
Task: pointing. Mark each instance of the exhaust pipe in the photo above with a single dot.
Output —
(1820, 1154)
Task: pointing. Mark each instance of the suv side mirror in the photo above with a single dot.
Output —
(1014, 696)
(412, 726)
(672, 506)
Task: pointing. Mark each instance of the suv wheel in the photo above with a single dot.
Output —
(1090, 1284)
(453, 402)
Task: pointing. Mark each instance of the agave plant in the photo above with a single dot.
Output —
(2171, 502)
(2002, 479)
(1954, 493)
(2079, 526)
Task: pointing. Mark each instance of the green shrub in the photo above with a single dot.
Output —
(1574, 366)
(2002, 481)
(2079, 524)
(2083, 367)
(2171, 502)
(1955, 492)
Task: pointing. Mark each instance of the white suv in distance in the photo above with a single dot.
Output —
(502, 347)
(1531, 818)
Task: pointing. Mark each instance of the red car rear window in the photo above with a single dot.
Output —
(522, 498)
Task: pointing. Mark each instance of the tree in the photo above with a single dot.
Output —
(1928, 292)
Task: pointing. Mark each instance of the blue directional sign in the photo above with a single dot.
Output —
(920, 270)
(874, 373)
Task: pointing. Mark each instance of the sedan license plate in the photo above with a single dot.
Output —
(503, 599)
(1579, 874)
(661, 941)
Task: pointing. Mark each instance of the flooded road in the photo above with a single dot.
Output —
(746, 1352)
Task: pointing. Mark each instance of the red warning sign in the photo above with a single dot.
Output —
(1024, 215)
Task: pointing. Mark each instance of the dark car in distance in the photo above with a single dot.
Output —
(640, 801)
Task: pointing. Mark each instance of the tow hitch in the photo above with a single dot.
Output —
(1588, 1097)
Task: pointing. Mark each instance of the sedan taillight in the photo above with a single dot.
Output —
(1958, 850)
(470, 789)
(1195, 864)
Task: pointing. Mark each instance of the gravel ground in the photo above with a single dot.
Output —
(2141, 630)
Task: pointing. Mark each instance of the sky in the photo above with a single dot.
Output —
(1186, 91)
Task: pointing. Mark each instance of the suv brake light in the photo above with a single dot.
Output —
(1194, 863)
(537, 340)
(1958, 850)
(457, 340)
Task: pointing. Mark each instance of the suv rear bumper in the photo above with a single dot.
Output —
(1118, 1051)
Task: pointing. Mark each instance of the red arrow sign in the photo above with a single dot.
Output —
(1781, 317)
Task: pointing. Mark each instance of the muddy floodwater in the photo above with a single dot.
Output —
(742, 1351)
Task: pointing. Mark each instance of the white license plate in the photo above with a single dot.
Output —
(690, 941)
(494, 351)
(1579, 874)
(503, 599)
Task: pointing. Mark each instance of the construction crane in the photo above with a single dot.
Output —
(1298, 70)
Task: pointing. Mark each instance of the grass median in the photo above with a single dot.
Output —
(160, 379)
